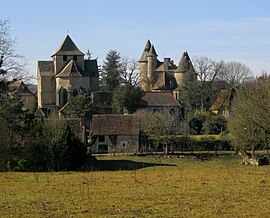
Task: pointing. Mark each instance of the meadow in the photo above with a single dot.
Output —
(131, 186)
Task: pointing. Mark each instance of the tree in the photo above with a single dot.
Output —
(158, 126)
(207, 71)
(235, 74)
(249, 123)
(80, 106)
(13, 64)
(130, 72)
(111, 72)
(127, 99)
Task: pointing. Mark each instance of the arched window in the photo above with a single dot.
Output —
(62, 97)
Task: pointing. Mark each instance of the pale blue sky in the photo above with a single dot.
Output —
(232, 30)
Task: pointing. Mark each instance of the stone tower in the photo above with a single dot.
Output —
(185, 66)
(64, 76)
(147, 65)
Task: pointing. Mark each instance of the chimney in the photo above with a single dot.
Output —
(166, 63)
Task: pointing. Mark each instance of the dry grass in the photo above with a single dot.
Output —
(216, 188)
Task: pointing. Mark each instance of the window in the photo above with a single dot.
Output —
(75, 57)
(64, 58)
(124, 144)
(101, 138)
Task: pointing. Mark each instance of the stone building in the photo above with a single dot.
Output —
(115, 133)
(158, 75)
(64, 76)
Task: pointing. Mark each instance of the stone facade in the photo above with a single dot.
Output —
(64, 76)
(158, 75)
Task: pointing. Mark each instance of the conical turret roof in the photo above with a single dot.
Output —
(185, 64)
(152, 51)
(68, 47)
(145, 51)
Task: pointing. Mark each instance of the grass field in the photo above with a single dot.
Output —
(172, 187)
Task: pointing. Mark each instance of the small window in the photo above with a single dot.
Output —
(124, 144)
(75, 57)
(64, 58)
(101, 138)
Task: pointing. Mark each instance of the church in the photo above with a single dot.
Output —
(64, 76)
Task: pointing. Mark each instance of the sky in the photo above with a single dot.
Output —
(231, 30)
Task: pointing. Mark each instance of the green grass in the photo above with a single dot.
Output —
(160, 187)
(200, 137)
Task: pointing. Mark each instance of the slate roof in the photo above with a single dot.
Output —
(68, 47)
(185, 64)
(160, 99)
(102, 97)
(115, 124)
(152, 51)
(165, 82)
(46, 68)
(145, 51)
(71, 70)
(91, 68)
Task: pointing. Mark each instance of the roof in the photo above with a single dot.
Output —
(222, 100)
(185, 64)
(20, 86)
(71, 70)
(39, 113)
(115, 124)
(152, 51)
(68, 47)
(46, 68)
(102, 97)
(160, 99)
(165, 82)
(145, 51)
(91, 68)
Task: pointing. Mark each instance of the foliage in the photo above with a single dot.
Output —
(159, 126)
(127, 99)
(215, 124)
(111, 71)
(249, 122)
(79, 106)
(51, 145)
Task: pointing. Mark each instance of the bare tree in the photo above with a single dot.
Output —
(159, 126)
(13, 64)
(235, 74)
(207, 71)
(130, 71)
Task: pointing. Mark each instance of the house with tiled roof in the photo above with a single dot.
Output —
(115, 133)
(64, 76)
(27, 94)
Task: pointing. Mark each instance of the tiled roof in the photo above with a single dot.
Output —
(71, 70)
(20, 87)
(222, 100)
(115, 124)
(91, 68)
(102, 97)
(68, 47)
(160, 99)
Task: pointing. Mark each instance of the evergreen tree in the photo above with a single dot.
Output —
(80, 106)
(111, 71)
(128, 98)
